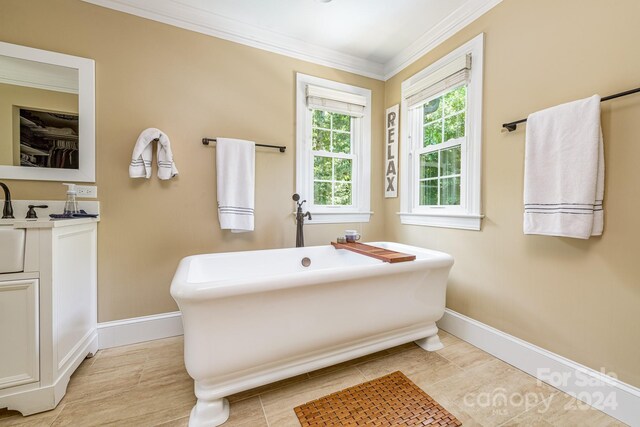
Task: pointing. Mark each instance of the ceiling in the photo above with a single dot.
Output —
(375, 38)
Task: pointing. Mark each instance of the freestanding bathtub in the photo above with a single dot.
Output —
(252, 318)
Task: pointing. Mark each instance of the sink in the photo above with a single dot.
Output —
(11, 249)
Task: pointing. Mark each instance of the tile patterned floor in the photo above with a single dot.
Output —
(146, 385)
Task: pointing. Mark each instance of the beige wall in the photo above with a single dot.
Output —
(190, 86)
(580, 299)
(20, 96)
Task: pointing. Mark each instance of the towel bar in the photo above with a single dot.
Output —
(282, 148)
(511, 126)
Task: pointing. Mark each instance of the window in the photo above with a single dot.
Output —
(439, 156)
(333, 156)
(441, 141)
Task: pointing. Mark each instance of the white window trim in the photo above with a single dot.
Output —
(467, 215)
(360, 210)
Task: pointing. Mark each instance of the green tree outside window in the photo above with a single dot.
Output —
(332, 162)
(444, 120)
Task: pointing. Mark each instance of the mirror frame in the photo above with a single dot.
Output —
(86, 120)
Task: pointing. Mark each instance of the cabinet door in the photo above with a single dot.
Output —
(19, 350)
(74, 291)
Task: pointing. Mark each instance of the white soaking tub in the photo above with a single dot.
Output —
(252, 318)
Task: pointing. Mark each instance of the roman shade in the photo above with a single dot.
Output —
(449, 75)
(322, 98)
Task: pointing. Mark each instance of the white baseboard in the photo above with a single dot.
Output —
(139, 329)
(610, 395)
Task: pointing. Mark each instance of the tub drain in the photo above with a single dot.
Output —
(306, 262)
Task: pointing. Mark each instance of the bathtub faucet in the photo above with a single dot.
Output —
(300, 221)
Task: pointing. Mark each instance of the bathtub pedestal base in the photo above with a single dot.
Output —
(209, 413)
(431, 343)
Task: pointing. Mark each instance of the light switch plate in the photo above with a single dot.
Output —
(87, 191)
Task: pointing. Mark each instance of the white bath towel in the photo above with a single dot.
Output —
(564, 171)
(235, 167)
(140, 166)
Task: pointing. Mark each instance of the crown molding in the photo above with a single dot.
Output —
(206, 22)
(209, 23)
(457, 20)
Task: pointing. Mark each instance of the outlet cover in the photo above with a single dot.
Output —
(87, 191)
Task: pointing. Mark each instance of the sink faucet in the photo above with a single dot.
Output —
(7, 210)
(300, 221)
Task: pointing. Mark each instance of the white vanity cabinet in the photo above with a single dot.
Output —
(48, 313)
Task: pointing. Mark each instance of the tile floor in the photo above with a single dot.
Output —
(146, 385)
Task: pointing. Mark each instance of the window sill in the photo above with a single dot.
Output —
(461, 221)
(337, 217)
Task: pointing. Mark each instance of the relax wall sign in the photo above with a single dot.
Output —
(391, 153)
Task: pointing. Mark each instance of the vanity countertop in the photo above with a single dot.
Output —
(46, 222)
(20, 208)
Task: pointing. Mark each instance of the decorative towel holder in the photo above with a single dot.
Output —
(282, 148)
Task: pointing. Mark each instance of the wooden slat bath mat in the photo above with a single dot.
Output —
(392, 400)
(385, 255)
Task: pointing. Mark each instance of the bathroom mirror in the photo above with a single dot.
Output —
(47, 115)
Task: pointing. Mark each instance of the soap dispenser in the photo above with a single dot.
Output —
(71, 206)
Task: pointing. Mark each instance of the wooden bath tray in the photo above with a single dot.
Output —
(385, 255)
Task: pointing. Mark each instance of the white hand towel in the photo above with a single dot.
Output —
(235, 166)
(140, 166)
(166, 166)
(564, 171)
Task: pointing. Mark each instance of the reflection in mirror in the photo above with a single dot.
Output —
(48, 139)
(39, 104)
(47, 124)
